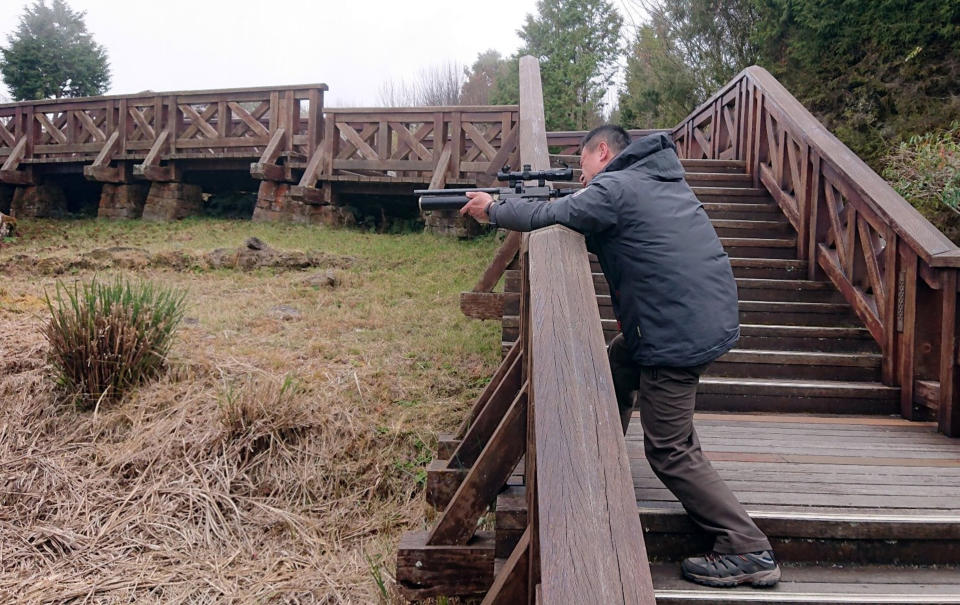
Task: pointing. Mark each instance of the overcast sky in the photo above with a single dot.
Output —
(352, 46)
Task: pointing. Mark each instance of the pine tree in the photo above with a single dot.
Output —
(51, 54)
(578, 44)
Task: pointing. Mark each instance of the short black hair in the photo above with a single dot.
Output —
(615, 136)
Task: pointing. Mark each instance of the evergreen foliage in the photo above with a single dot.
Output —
(578, 44)
(51, 54)
(926, 171)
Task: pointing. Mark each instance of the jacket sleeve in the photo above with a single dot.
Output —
(589, 210)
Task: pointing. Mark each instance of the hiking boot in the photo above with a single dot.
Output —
(719, 569)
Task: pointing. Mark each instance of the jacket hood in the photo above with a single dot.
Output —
(654, 154)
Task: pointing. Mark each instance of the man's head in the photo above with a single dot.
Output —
(601, 145)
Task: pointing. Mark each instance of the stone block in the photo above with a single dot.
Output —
(118, 201)
(451, 223)
(38, 201)
(172, 201)
(275, 204)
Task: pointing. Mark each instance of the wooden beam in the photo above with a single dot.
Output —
(510, 585)
(488, 391)
(948, 416)
(483, 305)
(504, 256)
(427, 570)
(490, 472)
(481, 430)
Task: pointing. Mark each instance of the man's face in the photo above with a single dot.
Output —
(593, 158)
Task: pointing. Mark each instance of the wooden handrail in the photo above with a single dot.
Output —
(896, 270)
(591, 543)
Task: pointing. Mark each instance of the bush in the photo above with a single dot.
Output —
(926, 171)
(106, 338)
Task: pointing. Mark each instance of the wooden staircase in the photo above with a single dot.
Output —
(832, 419)
(797, 421)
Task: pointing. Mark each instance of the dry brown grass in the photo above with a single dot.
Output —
(277, 461)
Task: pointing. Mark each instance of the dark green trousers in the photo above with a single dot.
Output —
(666, 398)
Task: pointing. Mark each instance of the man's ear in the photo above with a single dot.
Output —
(604, 150)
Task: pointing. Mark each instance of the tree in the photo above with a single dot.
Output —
(483, 78)
(875, 72)
(683, 53)
(435, 85)
(51, 54)
(578, 45)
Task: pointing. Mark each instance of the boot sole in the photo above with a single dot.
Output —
(765, 578)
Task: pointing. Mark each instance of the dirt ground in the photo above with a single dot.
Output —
(282, 453)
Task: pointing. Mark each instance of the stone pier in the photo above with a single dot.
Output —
(172, 201)
(38, 201)
(124, 200)
(274, 203)
(451, 224)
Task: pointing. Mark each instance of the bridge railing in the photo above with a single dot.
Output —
(460, 144)
(155, 126)
(898, 272)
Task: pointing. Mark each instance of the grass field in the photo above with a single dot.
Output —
(283, 452)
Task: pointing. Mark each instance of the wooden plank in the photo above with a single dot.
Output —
(246, 118)
(948, 416)
(16, 156)
(510, 585)
(504, 256)
(906, 343)
(425, 570)
(591, 542)
(488, 390)
(490, 472)
(481, 430)
(483, 305)
(866, 311)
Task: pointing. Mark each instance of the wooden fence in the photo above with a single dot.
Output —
(896, 269)
(552, 405)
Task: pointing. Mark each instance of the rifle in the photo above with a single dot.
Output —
(454, 199)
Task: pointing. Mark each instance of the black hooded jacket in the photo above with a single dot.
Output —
(670, 280)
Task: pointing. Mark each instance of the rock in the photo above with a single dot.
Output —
(8, 226)
(254, 243)
(285, 312)
(325, 279)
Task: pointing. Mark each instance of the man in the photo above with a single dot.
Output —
(675, 299)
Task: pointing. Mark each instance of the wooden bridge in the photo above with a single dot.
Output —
(148, 150)
(831, 420)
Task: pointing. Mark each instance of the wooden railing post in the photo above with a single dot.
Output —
(949, 375)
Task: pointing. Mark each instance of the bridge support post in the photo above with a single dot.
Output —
(122, 200)
(171, 201)
(38, 201)
(279, 201)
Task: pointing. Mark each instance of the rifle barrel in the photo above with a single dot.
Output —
(443, 202)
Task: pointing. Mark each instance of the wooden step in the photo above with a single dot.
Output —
(733, 195)
(787, 290)
(807, 338)
(797, 313)
(813, 365)
(741, 211)
(722, 166)
(778, 395)
(759, 268)
(755, 247)
(714, 179)
(821, 584)
(745, 228)
(769, 268)
(824, 488)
